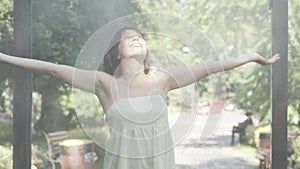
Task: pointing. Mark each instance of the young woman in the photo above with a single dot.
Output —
(133, 96)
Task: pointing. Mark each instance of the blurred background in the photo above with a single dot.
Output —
(60, 29)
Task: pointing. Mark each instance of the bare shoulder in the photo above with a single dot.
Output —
(161, 72)
(168, 78)
(163, 78)
(164, 74)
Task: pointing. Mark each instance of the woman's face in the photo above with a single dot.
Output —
(132, 43)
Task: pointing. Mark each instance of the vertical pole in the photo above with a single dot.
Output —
(279, 84)
(22, 87)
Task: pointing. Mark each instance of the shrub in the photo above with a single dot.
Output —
(37, 161)
(6, 132)
(6, 156)
(250, 135)
(295, 157)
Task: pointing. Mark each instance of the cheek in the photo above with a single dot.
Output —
(145, 45)
(145, 48)
(121, 48)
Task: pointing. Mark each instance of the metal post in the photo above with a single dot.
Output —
(279, 84)
(22, 87)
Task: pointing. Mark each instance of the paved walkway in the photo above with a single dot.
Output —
(216, 152)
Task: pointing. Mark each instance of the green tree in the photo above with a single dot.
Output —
(235, 28)
(294, 80)
(6, 40)
(239, 27)
(60, 29)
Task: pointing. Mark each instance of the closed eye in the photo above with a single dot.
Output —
(133, 36)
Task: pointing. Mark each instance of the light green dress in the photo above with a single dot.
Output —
(140, 136)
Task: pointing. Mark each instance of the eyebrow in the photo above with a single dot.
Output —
(133, 34)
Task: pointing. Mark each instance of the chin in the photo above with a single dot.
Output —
(140, 53)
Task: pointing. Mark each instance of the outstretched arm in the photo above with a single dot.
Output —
(83, 79)
(184, 76)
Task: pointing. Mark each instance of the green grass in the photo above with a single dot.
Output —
(246, 149)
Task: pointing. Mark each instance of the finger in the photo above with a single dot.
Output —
(276, 56)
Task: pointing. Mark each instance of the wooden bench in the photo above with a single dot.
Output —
(263, 152)
(53, 140)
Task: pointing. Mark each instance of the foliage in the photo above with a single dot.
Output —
(60, 29)
(293, 79)
(250, 135)
(6, 22)
(295, 157)
(6, 156)
(293, 60)
(6, 132)
(6, 39)
(235, 28)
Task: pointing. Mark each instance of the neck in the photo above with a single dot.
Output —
(132, 67)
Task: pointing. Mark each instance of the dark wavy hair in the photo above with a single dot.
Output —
(111, 61)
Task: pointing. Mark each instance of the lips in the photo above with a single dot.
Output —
(135, 45)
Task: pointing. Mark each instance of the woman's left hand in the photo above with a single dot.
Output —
(264, 61)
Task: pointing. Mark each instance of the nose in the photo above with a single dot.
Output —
(135, 38)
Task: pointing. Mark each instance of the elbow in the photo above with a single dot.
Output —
(53, 70)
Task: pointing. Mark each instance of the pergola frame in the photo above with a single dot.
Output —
(279, 84)
(23, 89)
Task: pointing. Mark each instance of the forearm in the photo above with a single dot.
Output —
(205, 69)
(79, 78)
(181, 77)
(29, 64)
(228, 64)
